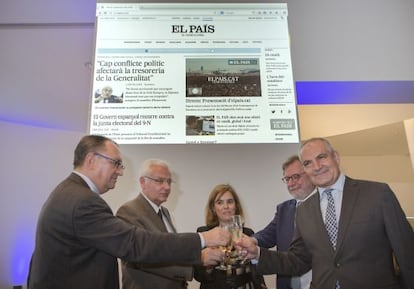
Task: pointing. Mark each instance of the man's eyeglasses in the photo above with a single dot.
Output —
(293, 177)
(160, 181)
(117, 163)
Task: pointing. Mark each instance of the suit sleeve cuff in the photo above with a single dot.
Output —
(203, 242)
(256, 260)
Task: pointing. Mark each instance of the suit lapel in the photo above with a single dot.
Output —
(315, 204)
(152, 215)
(349, 199)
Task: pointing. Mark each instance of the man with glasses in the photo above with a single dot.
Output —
(78, 239)
(279, 232)
(348, 232)
(146, 211)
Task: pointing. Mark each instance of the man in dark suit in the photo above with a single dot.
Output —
(371, 228)
(78, 238)
(145, 211)
(279, 232)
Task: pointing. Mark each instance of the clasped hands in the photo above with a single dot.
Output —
(212, 254)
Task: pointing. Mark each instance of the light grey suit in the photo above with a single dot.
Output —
(78, 240)
(372, 227)
(141, 275)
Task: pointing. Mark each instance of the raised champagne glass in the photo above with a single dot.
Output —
(237, 230)
(226, 249)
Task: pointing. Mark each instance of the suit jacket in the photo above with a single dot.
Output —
(78, 240)
(371, 228)
(143, 275)
(279, 232)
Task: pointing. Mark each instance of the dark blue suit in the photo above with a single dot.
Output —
(279, 232)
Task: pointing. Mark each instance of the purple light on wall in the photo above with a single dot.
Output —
(21, 255)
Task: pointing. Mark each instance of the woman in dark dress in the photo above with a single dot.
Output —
(223, 203)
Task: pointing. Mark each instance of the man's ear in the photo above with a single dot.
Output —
(336, 157)
(141, 181)
(90, 160)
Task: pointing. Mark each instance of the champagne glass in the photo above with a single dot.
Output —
(237, 227)
(237, 230)
(226, 249)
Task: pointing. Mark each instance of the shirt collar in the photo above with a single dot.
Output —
(88, 181)
(338, 186)
(153, 205)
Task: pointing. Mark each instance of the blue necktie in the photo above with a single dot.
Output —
(331, 223)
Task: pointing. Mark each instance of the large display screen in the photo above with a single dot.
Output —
(193, 73)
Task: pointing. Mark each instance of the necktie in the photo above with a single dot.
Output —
(330, 218)
(165, 218)
(331, 223)
(298, 203)
(162, 219)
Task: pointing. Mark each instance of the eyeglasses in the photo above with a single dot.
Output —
(293, 177)
(160, 181)
(117, 163)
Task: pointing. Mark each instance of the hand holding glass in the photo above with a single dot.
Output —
(226, 249)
